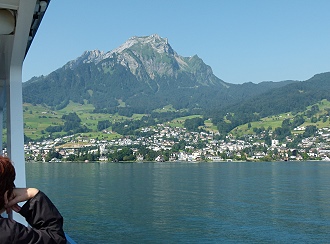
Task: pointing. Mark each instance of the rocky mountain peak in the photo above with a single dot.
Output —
(154, 41)
(148, 57)
(87, 57)
(145, 48)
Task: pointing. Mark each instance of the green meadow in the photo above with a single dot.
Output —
(37, 118)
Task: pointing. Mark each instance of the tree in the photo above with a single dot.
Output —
(72, 121)
(179, 146)
(314, 119)
(268, 140)
(52, 154)
(282, 132)
(103, 124)
(286, 123)
(310, 131)
(193, 124)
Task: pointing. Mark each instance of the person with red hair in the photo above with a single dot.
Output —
(46, 222)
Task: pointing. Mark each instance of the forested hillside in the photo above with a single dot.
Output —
(293, 97)
(145, 75)
(142, 75)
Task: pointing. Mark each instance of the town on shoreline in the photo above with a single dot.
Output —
(164, 143)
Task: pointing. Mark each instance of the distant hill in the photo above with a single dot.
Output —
(294, 97)
(145, 74)
(141, 75)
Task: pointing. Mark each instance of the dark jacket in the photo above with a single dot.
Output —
(45, 220)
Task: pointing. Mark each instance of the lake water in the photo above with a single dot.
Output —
(278, 202)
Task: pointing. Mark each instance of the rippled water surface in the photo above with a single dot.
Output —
(281, 202)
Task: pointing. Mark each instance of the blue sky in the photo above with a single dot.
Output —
(242, 40)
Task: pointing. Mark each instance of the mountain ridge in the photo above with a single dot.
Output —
(148, 57)
(141, 75)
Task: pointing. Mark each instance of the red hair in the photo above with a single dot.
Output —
(7, 177)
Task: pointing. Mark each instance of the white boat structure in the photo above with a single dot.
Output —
(19, 22)
(55, 160)
(326, 158)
